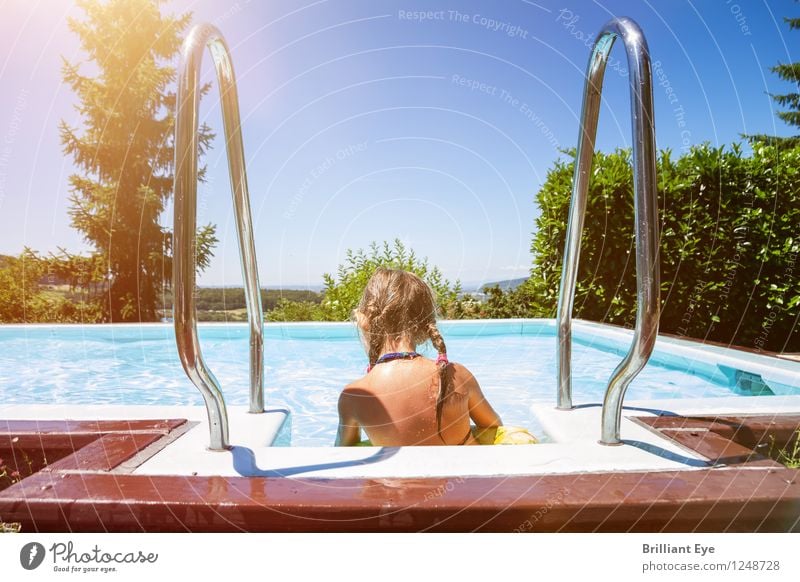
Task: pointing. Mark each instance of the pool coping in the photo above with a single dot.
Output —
(572, 445)
(746, 496)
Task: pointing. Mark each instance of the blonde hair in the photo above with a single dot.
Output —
(396, 305)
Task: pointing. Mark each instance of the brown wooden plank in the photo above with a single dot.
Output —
(105, 453)
(718, 449)
(707, 500)
(726, 424)
(20, 427)
(706, 434)
(46, 442)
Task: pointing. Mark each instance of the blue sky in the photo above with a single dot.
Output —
(364, 122)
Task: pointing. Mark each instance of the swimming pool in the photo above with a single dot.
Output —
(306, 365)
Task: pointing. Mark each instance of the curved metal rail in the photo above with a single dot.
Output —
(646, 212)
(185, 247)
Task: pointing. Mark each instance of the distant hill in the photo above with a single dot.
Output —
(296, 287)
(315, 288)
(506, 285)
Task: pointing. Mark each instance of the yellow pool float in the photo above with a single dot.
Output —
(504, 435)
(496, 435)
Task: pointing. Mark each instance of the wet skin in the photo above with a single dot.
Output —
(395, 404)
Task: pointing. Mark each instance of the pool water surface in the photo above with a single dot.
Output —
(305, 369)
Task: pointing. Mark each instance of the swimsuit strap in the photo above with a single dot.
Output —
(396, 356)
(393, 356)
(463, 441)
(466, 438)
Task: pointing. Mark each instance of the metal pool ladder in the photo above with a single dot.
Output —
(185, 247)
(646, 217)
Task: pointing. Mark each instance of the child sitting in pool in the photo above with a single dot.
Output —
(405, 398)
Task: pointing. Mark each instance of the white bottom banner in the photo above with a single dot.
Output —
(400, 557)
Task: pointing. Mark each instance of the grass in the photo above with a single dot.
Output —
(789, 457)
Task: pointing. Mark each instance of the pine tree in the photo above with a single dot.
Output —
(788, 72)
(125, 152)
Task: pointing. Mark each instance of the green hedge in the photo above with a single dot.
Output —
(730, 235)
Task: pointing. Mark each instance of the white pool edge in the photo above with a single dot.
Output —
(574, 447)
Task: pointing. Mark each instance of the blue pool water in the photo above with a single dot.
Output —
(306, 367)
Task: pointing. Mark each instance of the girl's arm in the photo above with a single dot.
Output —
(480, 411)
(349, 433)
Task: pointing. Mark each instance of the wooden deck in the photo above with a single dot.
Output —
(81, 480)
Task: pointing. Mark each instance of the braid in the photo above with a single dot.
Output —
(375, 335)
(375, 345)
(445, 385)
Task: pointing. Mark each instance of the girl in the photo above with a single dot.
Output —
(405, 398)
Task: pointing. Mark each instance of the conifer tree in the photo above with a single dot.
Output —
(788, 72)
(124, 152)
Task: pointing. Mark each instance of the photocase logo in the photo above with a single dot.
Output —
(31, 555)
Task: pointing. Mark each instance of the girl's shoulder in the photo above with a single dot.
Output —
(460, 369)
(356, 387)
(461, 377)
(353, 394)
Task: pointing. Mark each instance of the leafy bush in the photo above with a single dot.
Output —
(23, 298)
(729, 244)
(288, 310)
(501, 304)
(19, 287)
(468, 307)
(341, 294)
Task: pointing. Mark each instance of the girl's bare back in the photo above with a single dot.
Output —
(396, 405)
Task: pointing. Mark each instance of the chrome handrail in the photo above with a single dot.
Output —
(185, 247)
(646, 217)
